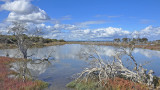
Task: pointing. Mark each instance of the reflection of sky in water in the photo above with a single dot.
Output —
(148, 53)
(69, 62)
(35, 68)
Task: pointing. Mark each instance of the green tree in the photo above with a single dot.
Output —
(117, 40)
(145, 40)
(125, 40)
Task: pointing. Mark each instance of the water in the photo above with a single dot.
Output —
(66, 61)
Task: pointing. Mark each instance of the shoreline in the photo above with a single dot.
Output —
(147, 46)
(143, 46)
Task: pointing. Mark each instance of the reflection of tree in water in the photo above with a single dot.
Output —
(33, 67)
(30, 68)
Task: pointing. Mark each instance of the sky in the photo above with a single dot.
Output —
(85, 20)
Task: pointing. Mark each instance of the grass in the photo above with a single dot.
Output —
(112, 84)
(84, 85)
(7, 83)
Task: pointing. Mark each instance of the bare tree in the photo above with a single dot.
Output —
(21, 32)
(23, 36)
(18, 30)
(102, 69)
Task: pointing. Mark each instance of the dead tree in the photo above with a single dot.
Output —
(108, 69)
(21, 32)
(18, 30)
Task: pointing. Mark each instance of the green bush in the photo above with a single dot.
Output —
(11, 39)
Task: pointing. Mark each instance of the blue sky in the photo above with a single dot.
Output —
(128, 14)
(94, 16)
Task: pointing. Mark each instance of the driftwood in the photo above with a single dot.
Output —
(106, 70)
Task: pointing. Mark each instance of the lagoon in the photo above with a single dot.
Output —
(66, 60)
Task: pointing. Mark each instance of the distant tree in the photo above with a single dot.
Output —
(144, 40)
(139, 40)
(62, 40)
(129, 39)
(157, 41)
(132, 42)
(54, 40)
(117, 40)
(134, 39)
(125, 40)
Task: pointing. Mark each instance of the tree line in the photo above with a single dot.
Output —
(11, 39)
(127, 40)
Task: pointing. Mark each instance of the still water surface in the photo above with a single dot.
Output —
(66, 61)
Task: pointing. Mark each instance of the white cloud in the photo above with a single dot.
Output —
(3, 29)
(21, 7)
(23, 10)
(151, 30)
(153, 33)
(92, 22)
(90, 34)
(74, 32)
(65, 27)
(110, 32)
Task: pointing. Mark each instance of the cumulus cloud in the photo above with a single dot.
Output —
(21, 7)
(153, 33)
(23, 10)
(108, 33)
(76, 33)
